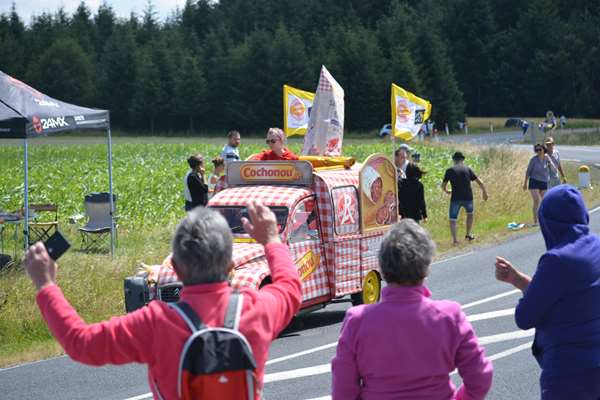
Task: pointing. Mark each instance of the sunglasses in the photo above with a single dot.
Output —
(271, 141)
(538, 149)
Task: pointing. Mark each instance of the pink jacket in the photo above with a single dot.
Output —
(405, 347)
(154, 335)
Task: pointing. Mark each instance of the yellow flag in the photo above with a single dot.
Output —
(296, 108)
(409, 112)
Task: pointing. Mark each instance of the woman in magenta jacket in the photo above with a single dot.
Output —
(407, 345)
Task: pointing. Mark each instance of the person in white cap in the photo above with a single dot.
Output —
(401, 159)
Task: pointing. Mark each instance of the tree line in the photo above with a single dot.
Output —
(217, 65)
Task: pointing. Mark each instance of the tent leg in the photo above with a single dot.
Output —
(110, 196)
(26, 194)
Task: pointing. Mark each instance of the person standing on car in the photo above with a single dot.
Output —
(276, 141)
(155, 335)
(460, 177)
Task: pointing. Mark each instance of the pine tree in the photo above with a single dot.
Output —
(190, 93)
(65, 72)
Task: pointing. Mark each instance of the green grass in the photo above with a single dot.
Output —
(148, 176)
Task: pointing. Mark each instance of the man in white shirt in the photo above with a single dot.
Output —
(231, 151)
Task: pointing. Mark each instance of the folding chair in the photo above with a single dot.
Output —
(41, 228)
(95, 234)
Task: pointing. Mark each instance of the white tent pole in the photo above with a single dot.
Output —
(110, 197)
(26, 194)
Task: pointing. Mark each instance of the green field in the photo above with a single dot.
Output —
(148, 176)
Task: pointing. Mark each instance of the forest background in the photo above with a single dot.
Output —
(219, 65)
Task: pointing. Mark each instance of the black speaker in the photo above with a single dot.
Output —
(137, 293)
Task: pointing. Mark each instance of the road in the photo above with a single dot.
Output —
(298, 366)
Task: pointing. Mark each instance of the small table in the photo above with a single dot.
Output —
(14, 220)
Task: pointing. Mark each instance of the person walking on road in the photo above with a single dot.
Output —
(155, 335)
(407, 345)
(537, 176)
(552, 151)
(460, 177)
(562, 299)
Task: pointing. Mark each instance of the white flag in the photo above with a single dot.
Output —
(326, 124)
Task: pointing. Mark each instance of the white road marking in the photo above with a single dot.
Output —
(594, 210)
(453, 258)
(301, 353)
(140, 397)
(31, 363)
(503, 337)
(491, 298)
(298, 373)
(511, 351)
(491, 314)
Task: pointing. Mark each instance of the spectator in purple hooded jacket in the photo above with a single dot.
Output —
(562, 299)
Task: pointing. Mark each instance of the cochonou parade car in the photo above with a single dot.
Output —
(331, 212)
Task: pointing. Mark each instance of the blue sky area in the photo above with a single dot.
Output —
(27, 8)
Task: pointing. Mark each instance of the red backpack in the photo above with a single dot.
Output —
(215, 363)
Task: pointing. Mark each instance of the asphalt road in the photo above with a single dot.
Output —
(298, 366)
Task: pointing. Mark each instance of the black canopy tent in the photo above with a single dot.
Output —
(27, 113)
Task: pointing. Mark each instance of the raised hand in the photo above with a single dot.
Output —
(39, 266)
(262, 225)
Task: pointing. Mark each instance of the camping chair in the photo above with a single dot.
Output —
(41, 228)
(95, 234)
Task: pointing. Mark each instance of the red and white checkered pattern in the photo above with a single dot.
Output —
(251, 274)
(316, 284)
(324, 182)
(324, 83)
(270, 195)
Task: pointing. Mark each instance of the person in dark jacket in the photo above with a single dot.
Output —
(411, 195)
(195, 189)
(562, 299)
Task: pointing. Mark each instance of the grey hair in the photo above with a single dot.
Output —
(202, 247)
(406, 253)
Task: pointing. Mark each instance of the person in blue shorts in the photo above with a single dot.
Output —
(460, 177)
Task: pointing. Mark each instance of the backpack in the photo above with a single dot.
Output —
(215, 363)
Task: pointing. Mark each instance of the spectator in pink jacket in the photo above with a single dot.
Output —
(407, 345)
(154, 335)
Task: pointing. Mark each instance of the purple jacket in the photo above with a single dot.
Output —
(405, 347)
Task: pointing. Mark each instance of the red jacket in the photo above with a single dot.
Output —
(154, 335)
(269, 155)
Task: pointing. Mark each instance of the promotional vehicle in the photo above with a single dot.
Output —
(333, 218)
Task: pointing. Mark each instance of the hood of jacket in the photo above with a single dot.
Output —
(563, 216)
